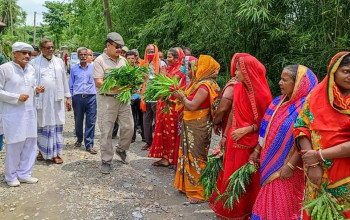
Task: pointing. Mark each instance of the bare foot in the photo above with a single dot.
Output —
(161, 163)
(195, 200)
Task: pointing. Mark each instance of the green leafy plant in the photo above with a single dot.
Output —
(160, 87)
(127, 78)
(325, 206)
(211, 172)
(237, 184)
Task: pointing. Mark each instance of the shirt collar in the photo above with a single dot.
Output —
(18, 66)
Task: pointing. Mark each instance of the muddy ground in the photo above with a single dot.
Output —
(77, 190)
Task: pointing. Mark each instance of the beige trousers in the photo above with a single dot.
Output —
(110, 110)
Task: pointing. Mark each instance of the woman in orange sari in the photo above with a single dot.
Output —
(322, 134)
(165, 132)
(251, 97)
(199, 101)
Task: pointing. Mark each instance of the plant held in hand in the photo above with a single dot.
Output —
(211, 172)
(127, 78)
(237, 184)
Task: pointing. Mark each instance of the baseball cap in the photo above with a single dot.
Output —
(114, 36)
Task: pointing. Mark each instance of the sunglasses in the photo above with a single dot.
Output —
(50, 47)
(117, 46)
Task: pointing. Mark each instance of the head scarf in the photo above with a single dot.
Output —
(206, 74)
(155, 60)
(251, 99)
(279, 119)
(336, 98)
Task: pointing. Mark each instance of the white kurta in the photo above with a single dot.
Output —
(18, 118)
(51, 74)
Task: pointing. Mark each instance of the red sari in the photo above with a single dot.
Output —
(250, 101)
(324, 120)
(166, 132)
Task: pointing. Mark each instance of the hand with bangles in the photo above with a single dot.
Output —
(314, 171)
(239, 133)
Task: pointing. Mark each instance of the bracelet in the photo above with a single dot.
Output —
(256, 150)
(318, 156)
(314, 165)
(291, 166)
(320, 152)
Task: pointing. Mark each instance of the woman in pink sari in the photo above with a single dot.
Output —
(282, 184)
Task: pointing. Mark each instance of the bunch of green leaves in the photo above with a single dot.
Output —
(325, 206)
(237, 184)
(127, 78)
(160, 87)
(211, 172)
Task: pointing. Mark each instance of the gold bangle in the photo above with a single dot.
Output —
(291, 166)
(256, 150)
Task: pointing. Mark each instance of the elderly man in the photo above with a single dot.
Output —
(51, 105)
(17, 90)
(109, 109)
(83, 91)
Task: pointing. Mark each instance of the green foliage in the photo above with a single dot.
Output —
(325, 206)
(210, 174)
(128, 78)
(236, 185)
(160, 87)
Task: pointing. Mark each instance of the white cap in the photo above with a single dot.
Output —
(21, 46)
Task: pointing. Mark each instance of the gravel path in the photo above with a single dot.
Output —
(77, 190)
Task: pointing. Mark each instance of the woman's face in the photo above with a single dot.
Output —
(189, 71)
(171, 59)
(342, 79)
(239, 73)
(150, 49)
(286, 83)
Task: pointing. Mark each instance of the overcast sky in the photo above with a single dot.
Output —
(30, 6)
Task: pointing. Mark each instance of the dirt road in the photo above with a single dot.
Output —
(77, 190)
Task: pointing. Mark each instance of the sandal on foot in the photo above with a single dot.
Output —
(40, 156)
(57, 160)
(145, 147)
(160, 164)
(195, 200)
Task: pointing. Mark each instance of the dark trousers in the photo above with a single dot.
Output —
(137, 114)
(148, 117)
(85, 105)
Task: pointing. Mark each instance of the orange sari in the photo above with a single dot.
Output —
(196, 131)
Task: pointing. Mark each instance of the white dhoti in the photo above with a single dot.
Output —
(20, 159)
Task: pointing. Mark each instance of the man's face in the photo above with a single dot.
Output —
(22, 57)
(82, 56)
(114, 49)
(131, 59)
(48, 49)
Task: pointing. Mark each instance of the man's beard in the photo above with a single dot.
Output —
(48, 57)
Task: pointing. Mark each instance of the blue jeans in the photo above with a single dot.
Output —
(85, 104)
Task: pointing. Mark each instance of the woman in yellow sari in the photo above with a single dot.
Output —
(199, 102)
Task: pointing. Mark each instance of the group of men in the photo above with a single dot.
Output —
(34, 94)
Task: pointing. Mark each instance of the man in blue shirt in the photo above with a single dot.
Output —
(83, 90)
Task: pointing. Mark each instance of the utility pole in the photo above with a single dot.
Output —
(34, 32)
(107, 15)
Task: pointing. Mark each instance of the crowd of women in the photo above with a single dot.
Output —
(300, 139)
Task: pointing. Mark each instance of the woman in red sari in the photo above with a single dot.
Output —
(223, 111)
(166, 138)
(251, 98)
(322, 134)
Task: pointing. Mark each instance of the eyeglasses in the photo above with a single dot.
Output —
(49, 47)
(117, 46)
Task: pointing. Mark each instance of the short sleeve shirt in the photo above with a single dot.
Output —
(103, 63)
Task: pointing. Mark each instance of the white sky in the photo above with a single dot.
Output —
(30, 6)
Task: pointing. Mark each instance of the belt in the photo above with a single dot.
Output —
(84, 95)
(110, 95)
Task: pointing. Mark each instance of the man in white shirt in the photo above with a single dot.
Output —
(19, 118)
(51, 105)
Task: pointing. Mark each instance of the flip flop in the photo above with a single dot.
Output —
(145, 147)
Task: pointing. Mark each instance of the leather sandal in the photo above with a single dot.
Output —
(57, 160)
(40, 156)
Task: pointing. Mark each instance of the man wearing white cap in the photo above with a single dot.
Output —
(19, 118)
(109, 109)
